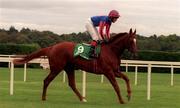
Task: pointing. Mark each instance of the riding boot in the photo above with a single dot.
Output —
(93, 49)
(93, 52)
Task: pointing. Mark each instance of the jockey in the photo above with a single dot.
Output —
(101, 22)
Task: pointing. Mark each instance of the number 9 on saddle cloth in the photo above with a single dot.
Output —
(85, 50)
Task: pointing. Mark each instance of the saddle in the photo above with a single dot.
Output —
(84, 50)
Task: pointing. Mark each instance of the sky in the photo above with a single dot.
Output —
(148, 17)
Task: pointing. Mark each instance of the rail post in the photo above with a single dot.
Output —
(149, 82)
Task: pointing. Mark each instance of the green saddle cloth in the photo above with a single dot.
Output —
(84, 50)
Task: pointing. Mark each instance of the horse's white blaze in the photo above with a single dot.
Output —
(134, 40)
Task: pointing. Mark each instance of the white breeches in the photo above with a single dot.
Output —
(92, 30)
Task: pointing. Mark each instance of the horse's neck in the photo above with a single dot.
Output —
(118, 45)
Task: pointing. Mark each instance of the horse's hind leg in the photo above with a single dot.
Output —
(126, 79)
(71, 79)
(53, 73)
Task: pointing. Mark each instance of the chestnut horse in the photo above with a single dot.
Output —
(60, 58)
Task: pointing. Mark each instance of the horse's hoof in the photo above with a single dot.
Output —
(84, 100)
(43, 99)
(122, 102)
(129, 97)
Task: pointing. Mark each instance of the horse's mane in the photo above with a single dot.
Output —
(119, 35)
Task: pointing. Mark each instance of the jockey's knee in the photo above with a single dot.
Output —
(94, 43)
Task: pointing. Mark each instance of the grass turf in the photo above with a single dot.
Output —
(99, 95)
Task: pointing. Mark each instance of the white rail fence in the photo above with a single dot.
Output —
(126, 63)
(150, 65)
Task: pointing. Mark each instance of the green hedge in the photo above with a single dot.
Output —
(11, 49)
(158, 56)
(18, 49)
(154, 56)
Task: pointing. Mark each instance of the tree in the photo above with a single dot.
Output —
(25, 30)
(12, 30)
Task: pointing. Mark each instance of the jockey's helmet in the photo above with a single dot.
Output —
(114, 14)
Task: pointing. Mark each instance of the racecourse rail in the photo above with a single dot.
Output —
(126, 63)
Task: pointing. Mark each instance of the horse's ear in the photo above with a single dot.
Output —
(130, 31)
(134, 32)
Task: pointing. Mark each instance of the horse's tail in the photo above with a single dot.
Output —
(27, 58)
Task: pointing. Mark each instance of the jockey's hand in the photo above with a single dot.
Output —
(106, 40)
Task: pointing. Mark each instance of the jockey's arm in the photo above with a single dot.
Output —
(101, 29)
(108, 31)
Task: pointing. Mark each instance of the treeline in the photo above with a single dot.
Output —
(170, 43)
(43, 39)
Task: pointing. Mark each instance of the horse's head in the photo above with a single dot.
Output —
(131, 44)
(122, 41)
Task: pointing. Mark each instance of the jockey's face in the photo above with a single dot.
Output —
(114, 19)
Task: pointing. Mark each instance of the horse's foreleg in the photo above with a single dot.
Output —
(126, 79)
(47, 81)
(72, 84)
(111, 78)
